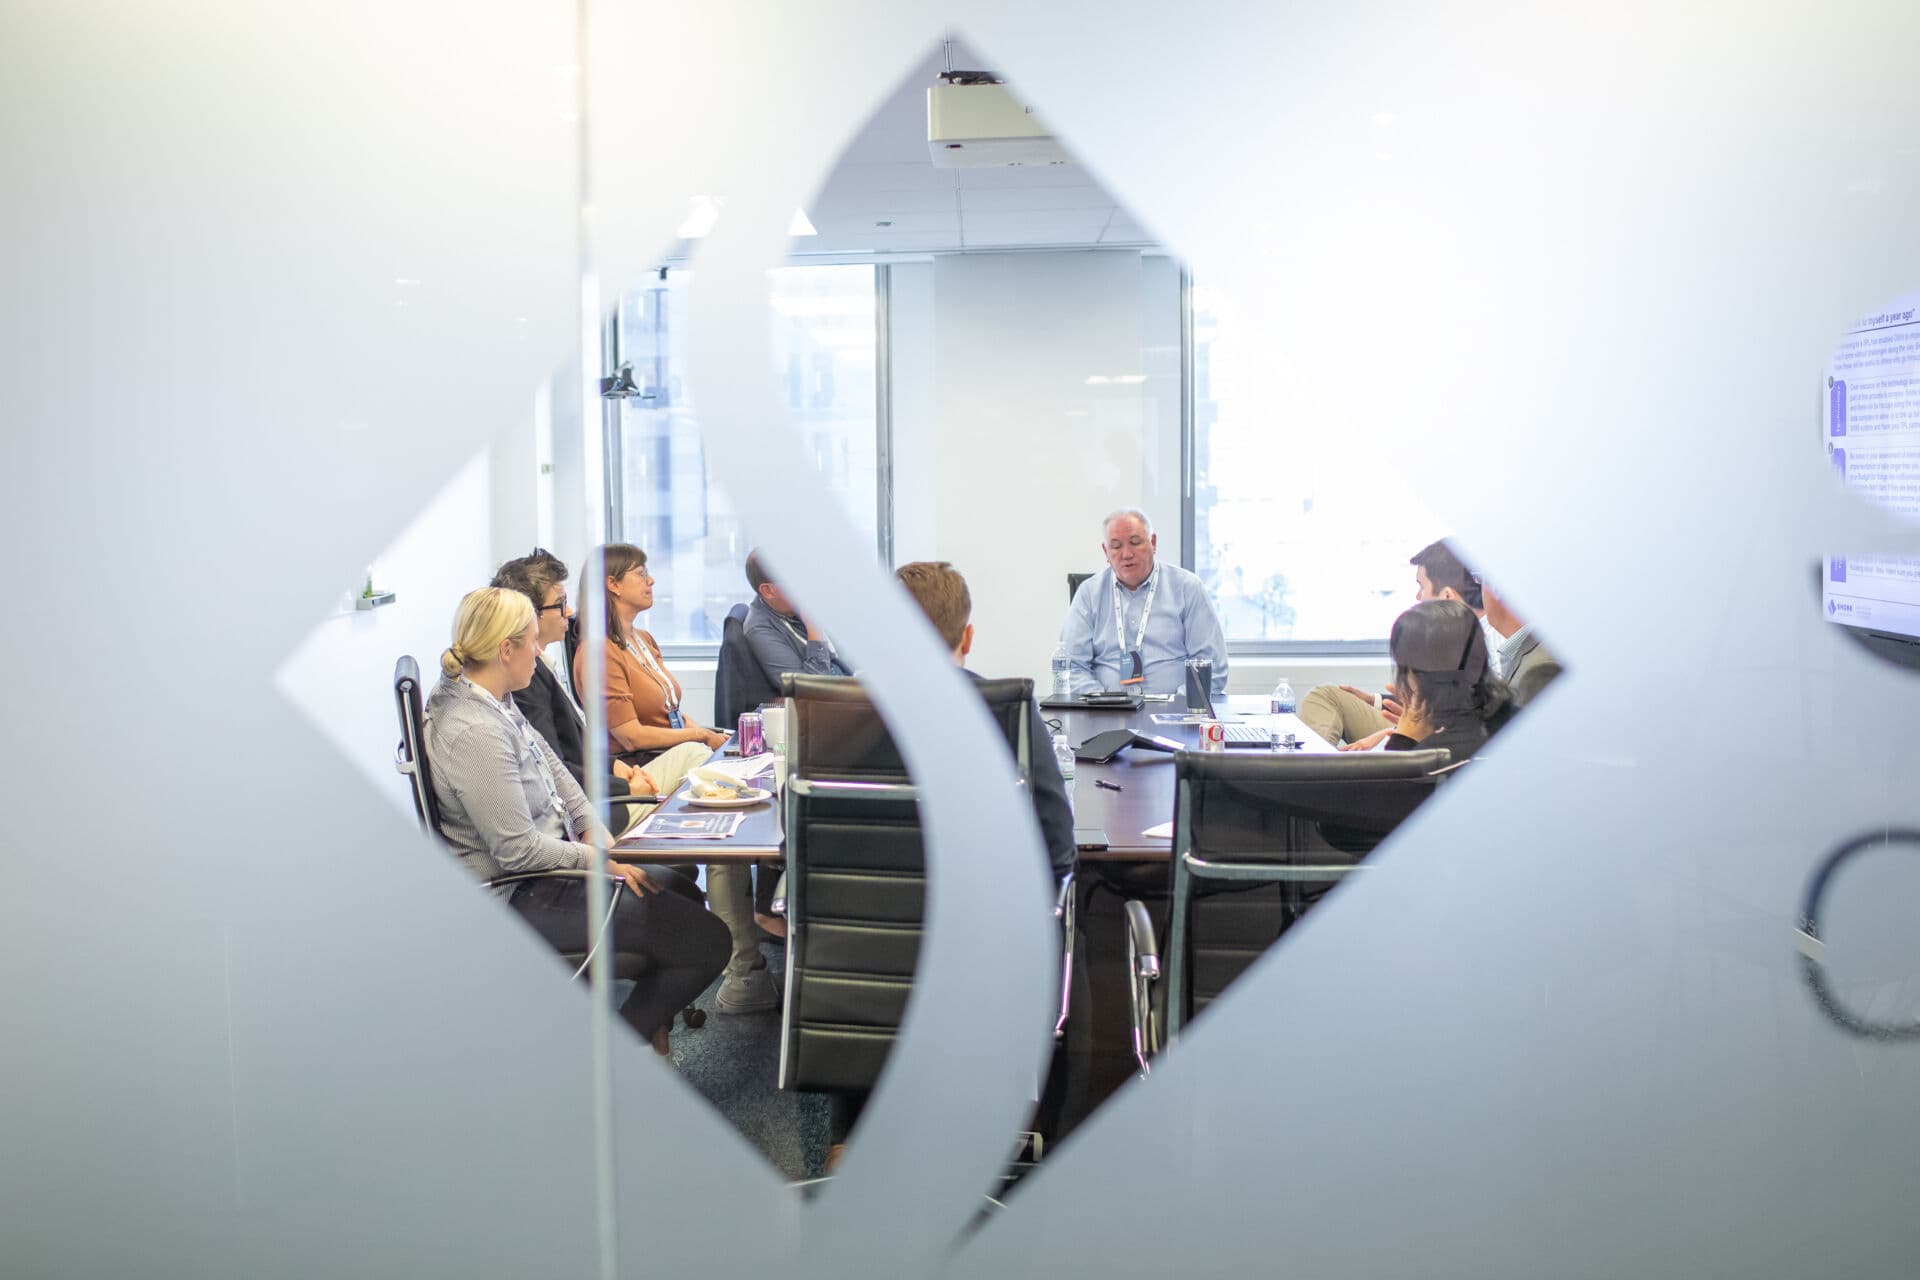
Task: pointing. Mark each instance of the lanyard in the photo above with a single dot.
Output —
(1120, 614)
(526, 733)
(669, 687)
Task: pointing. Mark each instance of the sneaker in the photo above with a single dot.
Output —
(752, 992)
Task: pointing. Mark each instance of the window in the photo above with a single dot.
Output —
(1299, 536)
(825, 353)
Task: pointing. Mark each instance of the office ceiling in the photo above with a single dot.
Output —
(887, 177)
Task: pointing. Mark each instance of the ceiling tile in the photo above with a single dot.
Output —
(1032, 199)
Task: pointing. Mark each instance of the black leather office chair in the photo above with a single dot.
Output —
(1257, 841)
(410, 758)
(740, 683)
(856, 878)
(1073, 584)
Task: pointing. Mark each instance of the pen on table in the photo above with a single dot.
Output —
(1105, 785)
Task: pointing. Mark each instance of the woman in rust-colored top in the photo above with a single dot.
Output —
(644, 715)
(647, 727)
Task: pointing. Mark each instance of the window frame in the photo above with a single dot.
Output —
(1300, 649)
(1289, 650)
(614, 512)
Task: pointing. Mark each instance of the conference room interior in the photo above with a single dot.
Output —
(985, 362)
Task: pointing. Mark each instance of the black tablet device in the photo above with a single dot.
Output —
(1104, 746)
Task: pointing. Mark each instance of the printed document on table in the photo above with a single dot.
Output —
(688, 826)
(1164, 831)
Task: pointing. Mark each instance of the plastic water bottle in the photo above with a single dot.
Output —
(1062, 672)
(1063, 756)
(1284, 703)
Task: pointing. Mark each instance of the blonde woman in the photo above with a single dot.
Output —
(649, 729)
(508, 804)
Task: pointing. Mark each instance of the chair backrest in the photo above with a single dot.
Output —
(740, 683)
(856, 877)
(410, 757)
(1073, 584)
(570, 643)
(1258, 840)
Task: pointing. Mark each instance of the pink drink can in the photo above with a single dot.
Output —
(1213, 735)
(749, 736)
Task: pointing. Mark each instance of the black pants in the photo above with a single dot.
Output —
(666, 942)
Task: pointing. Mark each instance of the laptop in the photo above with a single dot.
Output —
(1242, 737)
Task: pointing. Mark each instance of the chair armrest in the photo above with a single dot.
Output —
(557, 873)
(778, 906)
(1143, 970)
(1063, 911)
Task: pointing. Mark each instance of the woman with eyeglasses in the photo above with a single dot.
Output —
(1440, 670)
(548, 702)
(648, 728)
(509, 806)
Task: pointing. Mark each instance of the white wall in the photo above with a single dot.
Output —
(1009, 469)
(342, 674)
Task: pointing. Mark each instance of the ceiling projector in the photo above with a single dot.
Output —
(980, 126)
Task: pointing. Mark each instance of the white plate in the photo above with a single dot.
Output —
(744, 800)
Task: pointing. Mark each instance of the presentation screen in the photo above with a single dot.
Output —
(1872, 430)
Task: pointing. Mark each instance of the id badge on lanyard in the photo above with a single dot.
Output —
(674, 719)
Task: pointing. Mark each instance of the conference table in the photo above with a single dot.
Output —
(1122, 828)
(1137, 795)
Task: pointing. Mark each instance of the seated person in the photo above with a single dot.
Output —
(508, 804)
(1343, 714)
(782, 641)
(1523, 662)
(942, 595)
(548, 702)
(648, 729)
(1440, 666)
(1135, 624)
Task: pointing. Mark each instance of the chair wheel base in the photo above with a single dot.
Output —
(694, 1017)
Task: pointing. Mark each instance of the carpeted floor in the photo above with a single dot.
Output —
(733, 1061)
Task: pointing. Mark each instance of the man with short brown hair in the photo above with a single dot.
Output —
(937, 587)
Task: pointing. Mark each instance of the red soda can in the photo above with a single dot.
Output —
(1213, 735)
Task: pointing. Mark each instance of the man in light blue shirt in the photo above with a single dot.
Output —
(1137, 607)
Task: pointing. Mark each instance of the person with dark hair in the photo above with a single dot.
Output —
(1450, 699)
(1440, 574)
(647, 728)
(1344, 715)
(548, 702)
(782, 641)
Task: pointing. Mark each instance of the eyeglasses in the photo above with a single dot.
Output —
(642, 571)
(560, 604)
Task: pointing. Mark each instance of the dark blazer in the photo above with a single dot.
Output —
(546, 706)
(1049, 792)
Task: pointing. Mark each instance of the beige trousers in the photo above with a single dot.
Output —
(1338, 716)
(729, 886)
